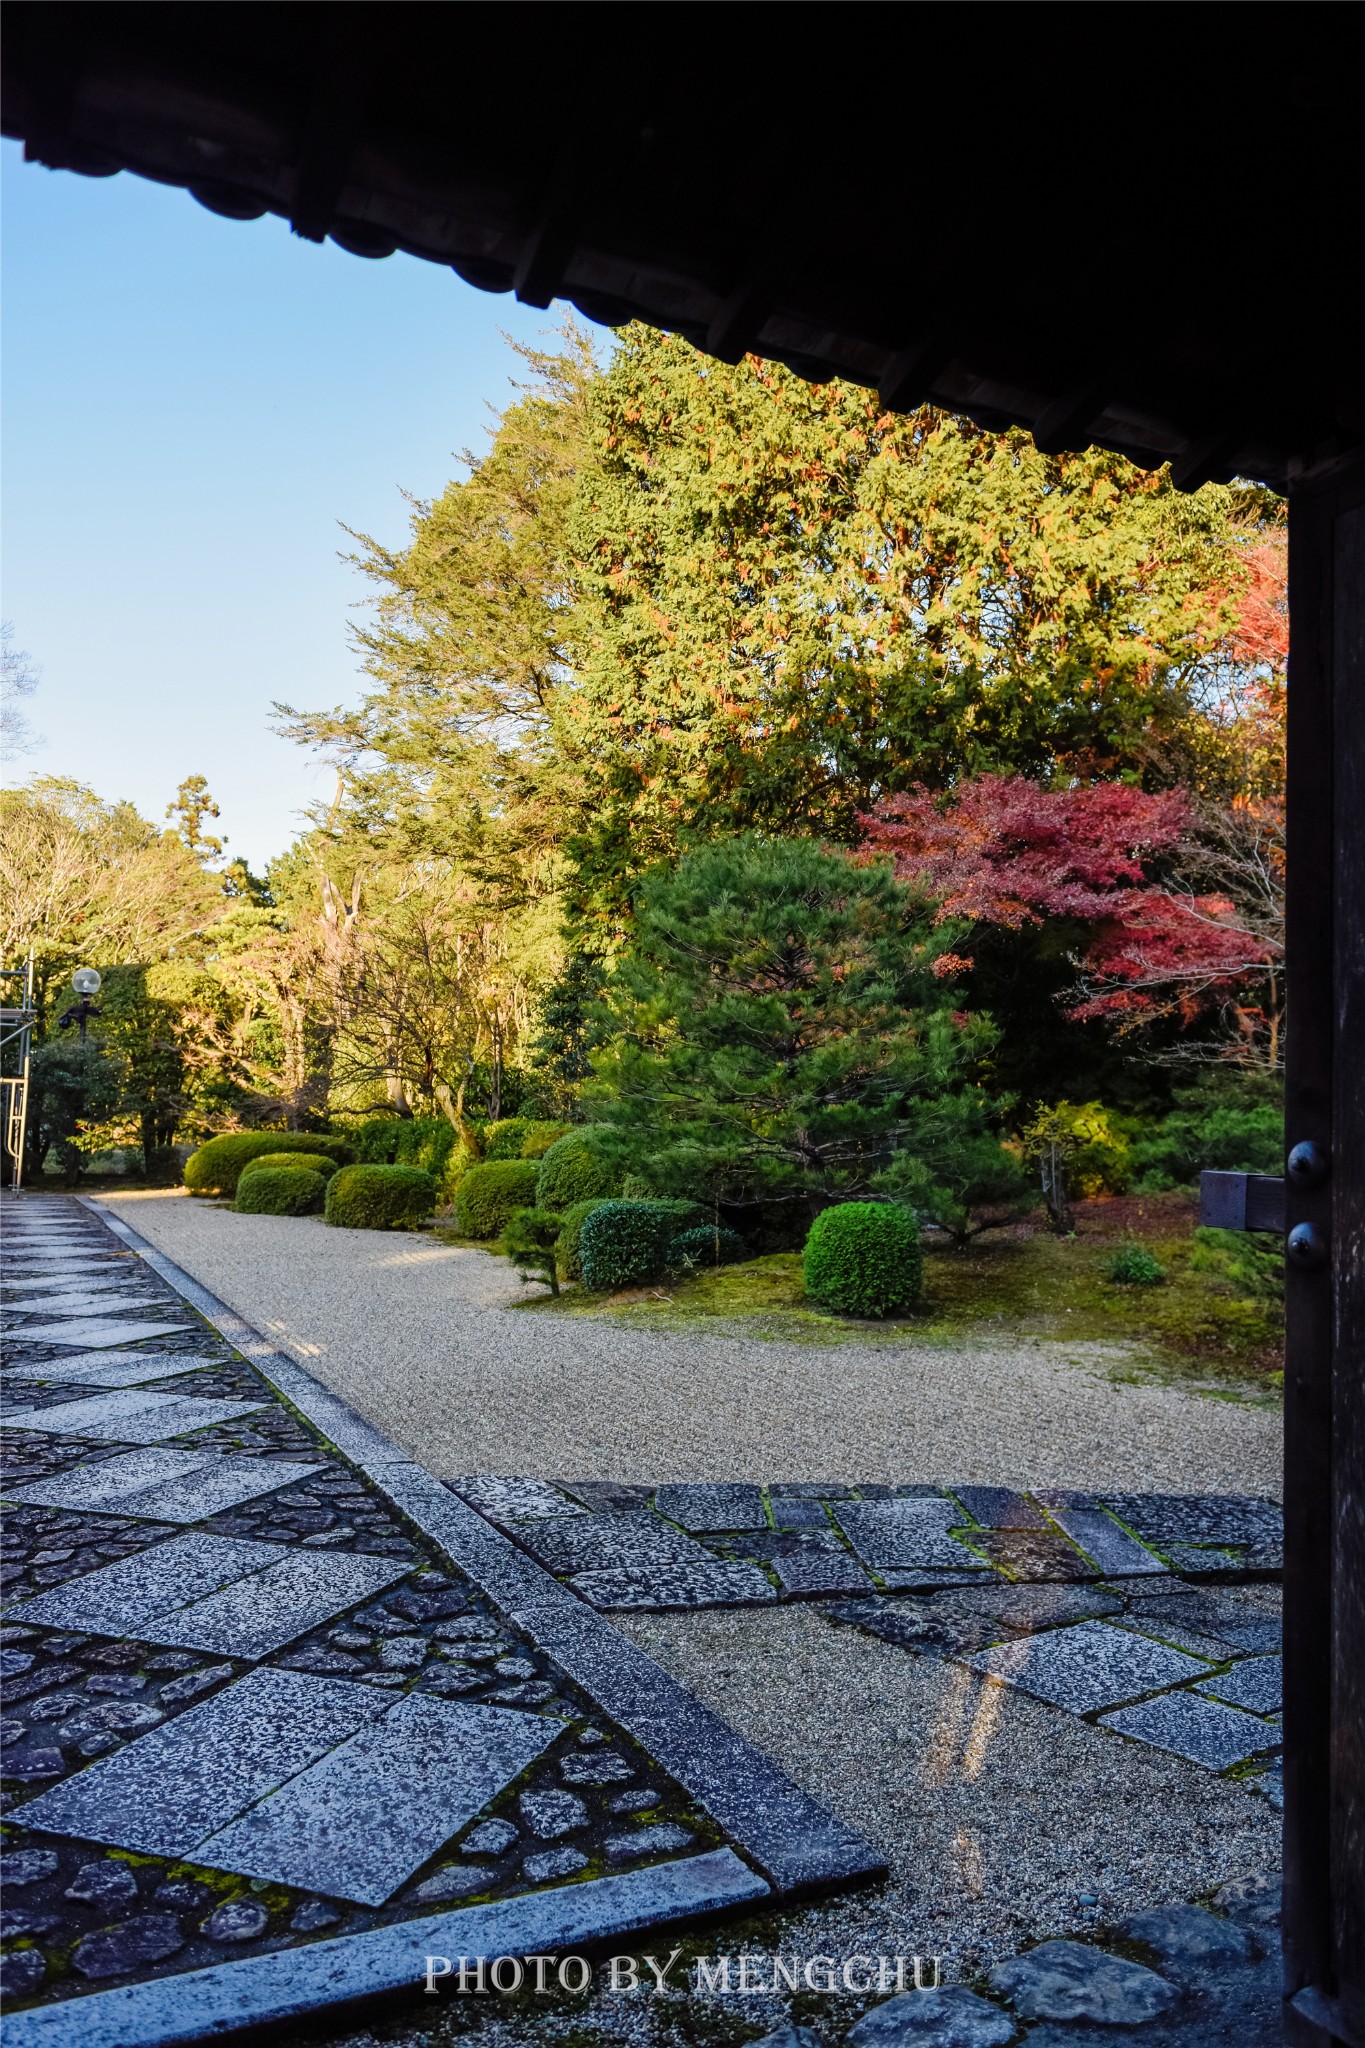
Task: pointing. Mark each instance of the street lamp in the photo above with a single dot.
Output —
(86, 982)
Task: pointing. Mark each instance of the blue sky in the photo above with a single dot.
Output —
(191, 406)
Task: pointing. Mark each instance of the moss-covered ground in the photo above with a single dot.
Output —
(1215, 1316)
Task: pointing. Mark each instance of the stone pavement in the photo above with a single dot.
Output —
(275, 1694)
(272, 1694)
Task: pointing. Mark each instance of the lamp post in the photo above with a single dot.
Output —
(86, 982)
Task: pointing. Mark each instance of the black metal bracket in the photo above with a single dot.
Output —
(1242, 1201)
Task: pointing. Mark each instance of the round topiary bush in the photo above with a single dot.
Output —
(380, 1198)
(539, 1138)
(570, 1230)
(1132, 1265)
(706, 1244)
(217, 1166)
(288, 1162)
(504, 1139)
(573, 1170)
(280, 1191)
(623, 1244)
(864, 1259)
(488, 1194)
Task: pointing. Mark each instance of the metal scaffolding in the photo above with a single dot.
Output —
(16, 1041)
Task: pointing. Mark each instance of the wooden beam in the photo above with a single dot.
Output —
(1324, 1590)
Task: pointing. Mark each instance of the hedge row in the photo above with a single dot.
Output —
(280, 1191)
(488, 1194)
(380, 1198)
(624, 1244)
(217, 1166)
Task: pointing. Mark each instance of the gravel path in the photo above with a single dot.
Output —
(428, 1341)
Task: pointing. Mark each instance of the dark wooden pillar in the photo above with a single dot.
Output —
(1324, 1716)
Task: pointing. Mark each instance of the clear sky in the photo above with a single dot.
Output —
(192, 409)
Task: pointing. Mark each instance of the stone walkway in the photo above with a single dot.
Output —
(280, 1696)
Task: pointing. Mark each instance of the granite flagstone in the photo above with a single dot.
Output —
(94, 1332)
(1000, 1507)
(1201, 1730)
(177, 1785)
(129, 1416)
(910, 1533)
(1256, 1684)
(164, 1485)
(16, 1313)
(677, 1585)
(514, 1499)
(1087, 1666)
(364, 1818)
(1110, 1547)
(589, 1542)
(262, 1611)
(128, 1597)
(124, 1369)
(699, 1509)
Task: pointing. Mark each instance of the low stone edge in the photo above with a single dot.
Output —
(290, 1984)
(796, 1843)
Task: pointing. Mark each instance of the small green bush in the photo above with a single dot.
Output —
(539, 1138)
(281, 1191)
(488, 1194)
(288, 1162)
(1224, 1137)
(1132, 1265)
(431, 1142)
(864, 1259)
(529, 1238)
(622, 1244)
(570, 1230)
(706, 1244)
(573, 1170)
(217, 1166)
(503, 1140)
(380, 1198)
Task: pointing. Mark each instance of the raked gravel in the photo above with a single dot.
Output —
(429, 1343)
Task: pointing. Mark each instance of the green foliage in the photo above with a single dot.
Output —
(1132, 1265)
(73, 1085)
(489, 1193)
(1247, 1263)
(864, 1259)
(574, 1169)
(539, 1138)
(530, 1240)
(375, 1142)
(1228, 1137)
(623, 1244)
(788, 598)
(560, 1052)
(783, 1034)
(282, 1191)
(503, 1140)
(216, 1167)
(705, 1244)
(380, 1198)
(288, 1162)
(570, 1231)
(1079, 1151)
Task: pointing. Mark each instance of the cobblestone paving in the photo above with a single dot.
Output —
(1160, 1651)
(247, 1705)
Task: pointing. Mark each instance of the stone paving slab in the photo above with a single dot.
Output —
(1000, 1507)
(262, 1611)
(131, 1596)
(1257, 1685)
(94, 1332)
(1109, 1546)
(1087, 1666)
(100, 1369)
(702, 1508)
(682, 1585)
(165, 1485)
(588, 1543)
(905, 1533)
(1201, 1729)
(76, 1302)
(130, 1416)
(361, 1820)
(514, 1499)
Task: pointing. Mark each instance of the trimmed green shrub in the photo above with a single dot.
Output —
(380, 1198)
(706, 1244)
(431, 1142)
(622, 1244)
(1132, 1265)
(864, 1259)
(288, 1162)
(216, 1167)
(488, 1194)
(503, 1140)
(529, 1237)
(281, 1191)
(573, 1170)
(539, 1138)
(570, 1230)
